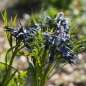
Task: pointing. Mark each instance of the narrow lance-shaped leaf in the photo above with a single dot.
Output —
(8, 35)
(33, 73)
(15, 20)
(11, 77)
(33, 18)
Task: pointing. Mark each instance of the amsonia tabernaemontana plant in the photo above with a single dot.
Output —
(48, 43)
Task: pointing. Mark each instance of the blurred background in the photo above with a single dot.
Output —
(74, 10)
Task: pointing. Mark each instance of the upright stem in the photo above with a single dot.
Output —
(6, 77)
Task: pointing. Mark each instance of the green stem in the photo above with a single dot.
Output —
(57, 62)
(11, 77)
(5, 79)
(45, 72)
(8, 65)
(58, 70)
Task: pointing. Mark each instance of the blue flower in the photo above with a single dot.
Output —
(57, 42)
(27, 46)
(9, 29)
(67, 54)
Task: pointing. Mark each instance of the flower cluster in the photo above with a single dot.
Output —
(57, 42)
(60, 40)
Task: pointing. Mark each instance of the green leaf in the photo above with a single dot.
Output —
(8, 35)
(74, 21)
(7, 54)
(6, 62)
(11, 20)
(16, 81)
(21, 76)
(8, 65)
(54, 65)
(25, 54)
(4, 16)
(58, 70)
(12, 76)
(80, 45)
(46, 70)
(72, 30)
(8, 70)
(39, 72)
(33, 18)
(33, 73)
(15, 20)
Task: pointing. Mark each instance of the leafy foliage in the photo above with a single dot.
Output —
(48, 43)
